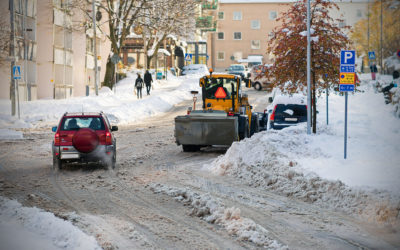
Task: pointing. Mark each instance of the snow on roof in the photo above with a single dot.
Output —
(164, 51)
(286, 99)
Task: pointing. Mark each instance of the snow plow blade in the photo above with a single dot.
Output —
(206, 129)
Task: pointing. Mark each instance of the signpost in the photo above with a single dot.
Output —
(17, 76)
(188, 57)
(346, 83)
(371, 55)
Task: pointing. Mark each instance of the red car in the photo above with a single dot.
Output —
(84, 137)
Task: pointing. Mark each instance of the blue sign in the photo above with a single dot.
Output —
(347, 69)
(346, 87)
(347, 57)
(371, 55)
(188, 57)
(17, 72)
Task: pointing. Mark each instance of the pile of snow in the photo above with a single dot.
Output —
(213, 211)
(195, 69)
(32, 228)
(121, 105)
(312, 168)
(7, 134)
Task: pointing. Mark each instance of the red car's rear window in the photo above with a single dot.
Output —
(76, 123)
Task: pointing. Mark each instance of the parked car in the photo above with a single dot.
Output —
(286, 111)
(84, 137)
(237, 69)
(259, 79)
(195, 69)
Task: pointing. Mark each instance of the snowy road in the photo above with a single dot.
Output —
(158, 197)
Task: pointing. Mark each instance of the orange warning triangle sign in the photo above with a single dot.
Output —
(220, 93)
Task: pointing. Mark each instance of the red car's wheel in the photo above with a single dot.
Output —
(85, 140)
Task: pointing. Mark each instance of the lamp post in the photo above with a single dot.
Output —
(308, 71)
(95, 47)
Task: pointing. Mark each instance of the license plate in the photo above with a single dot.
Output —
(291, 119)
(69, 156)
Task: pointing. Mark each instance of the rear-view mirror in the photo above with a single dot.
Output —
(270, 99)
(54, 129)
(114, 128)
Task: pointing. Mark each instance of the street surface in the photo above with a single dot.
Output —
(122, 208)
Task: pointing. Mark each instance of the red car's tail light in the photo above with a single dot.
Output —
(108, 138)
(57, 139)
(231, 113)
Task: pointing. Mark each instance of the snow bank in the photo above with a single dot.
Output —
(121, 105)
(312, 168)
(32, 228)
(7, 134)
(213, 211)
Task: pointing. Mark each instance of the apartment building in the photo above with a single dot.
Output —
(54, 48)
(245, 26)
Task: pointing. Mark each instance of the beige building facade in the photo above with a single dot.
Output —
(245, 26)
(57, 58)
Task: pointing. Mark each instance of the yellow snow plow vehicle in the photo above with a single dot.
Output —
(225, 116)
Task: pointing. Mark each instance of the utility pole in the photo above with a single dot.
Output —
(368, 27)
(12, 50)
(381, 47)
(308, 71)
(95, 47)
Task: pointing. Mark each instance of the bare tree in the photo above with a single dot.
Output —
(120, 17)
(163, 18)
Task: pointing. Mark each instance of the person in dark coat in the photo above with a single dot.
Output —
(373, 69)
(139, 85)
(148, 80)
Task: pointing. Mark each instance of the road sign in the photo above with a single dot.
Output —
(188, 57)
(346, 87)
(17, 72)
(371, 55)
(347, 68)
(347, 78)
(347, 57)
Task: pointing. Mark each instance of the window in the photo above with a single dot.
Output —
(255, 44)
(272, 15)
(237, 35)
(221, 56)
(255, 24)
(237, 15)
(220, 35)
(214, 86)
(221, 15)
(359, 13)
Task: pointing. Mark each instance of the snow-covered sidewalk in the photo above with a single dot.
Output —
(312, 167)
(122, 107)
(32, 228)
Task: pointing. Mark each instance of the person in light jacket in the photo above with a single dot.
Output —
(148, 80)
(139, 85)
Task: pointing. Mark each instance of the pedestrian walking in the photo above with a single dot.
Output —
(148, 80)
(139, 85)
(373, 69)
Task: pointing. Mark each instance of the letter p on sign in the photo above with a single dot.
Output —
(347, 57)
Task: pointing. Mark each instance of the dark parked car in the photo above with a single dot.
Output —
(84, 137)
(237, 69)
(287, 111)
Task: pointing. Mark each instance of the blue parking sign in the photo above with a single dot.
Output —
(347, 57)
